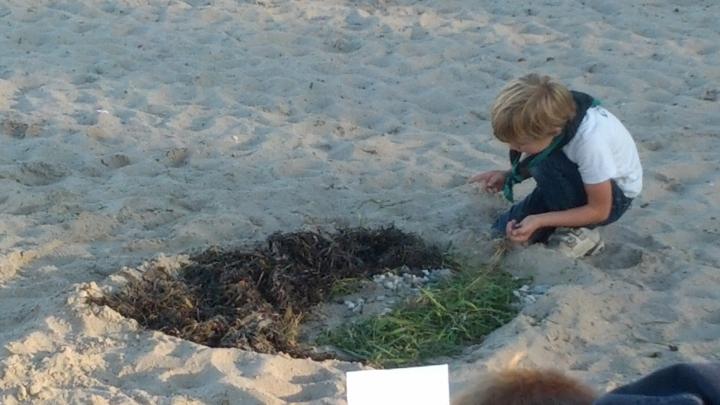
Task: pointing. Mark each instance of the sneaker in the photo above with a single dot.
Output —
(576, 242)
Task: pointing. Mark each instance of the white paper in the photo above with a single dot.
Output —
(412, 386)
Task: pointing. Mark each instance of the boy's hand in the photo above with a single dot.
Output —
(521, 232)
(492, 181)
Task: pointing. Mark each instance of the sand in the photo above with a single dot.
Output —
(133, 130)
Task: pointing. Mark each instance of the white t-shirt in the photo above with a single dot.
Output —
(603, 149)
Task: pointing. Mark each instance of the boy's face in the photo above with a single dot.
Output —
(530, 146)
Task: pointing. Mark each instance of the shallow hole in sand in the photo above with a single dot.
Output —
(288, 293)
(617, 256)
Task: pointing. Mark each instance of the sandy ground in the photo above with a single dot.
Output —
(133, 129)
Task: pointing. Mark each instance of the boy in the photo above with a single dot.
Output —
(584, 162)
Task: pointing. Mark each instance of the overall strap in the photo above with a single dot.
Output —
(521, 169)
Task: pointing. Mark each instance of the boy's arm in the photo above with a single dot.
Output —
(595, 211)
(492, 181)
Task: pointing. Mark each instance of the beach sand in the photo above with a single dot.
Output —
(133, 130)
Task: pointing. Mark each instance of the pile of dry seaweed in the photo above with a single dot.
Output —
(254, 298)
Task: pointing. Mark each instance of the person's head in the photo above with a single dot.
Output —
(530, 111)
(527, 387)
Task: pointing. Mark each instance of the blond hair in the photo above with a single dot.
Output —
(527, 387)
(532, 106)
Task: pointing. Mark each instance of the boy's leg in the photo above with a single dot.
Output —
(620, 204)
(562, 187)
(532, 204)
(559, 181)
(578, 242)
(559, 187)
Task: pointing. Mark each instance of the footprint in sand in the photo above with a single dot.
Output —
(309, 392)
(20, 130)
(116, 161)
(39, 174)
(86, 118)
(617, 256)
(320, 383)
(202, 123)
(344, 45)
(713, 316)
(177, 157)
(15, 129)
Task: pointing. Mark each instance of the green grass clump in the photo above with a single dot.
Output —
(457, 312)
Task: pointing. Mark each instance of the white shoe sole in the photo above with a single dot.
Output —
(577, 242)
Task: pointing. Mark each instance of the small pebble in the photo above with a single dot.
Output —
(539, 290)
(529, 299)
